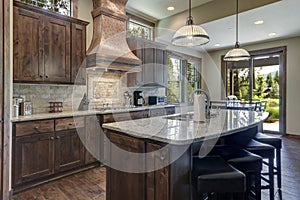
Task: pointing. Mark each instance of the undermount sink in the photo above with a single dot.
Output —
(186, 117)
(113, 108)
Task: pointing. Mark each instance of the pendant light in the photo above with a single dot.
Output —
(190, 34)
(237, 54)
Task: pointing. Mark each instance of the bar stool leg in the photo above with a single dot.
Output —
(271, 178)
(278, 165)
(258, 186)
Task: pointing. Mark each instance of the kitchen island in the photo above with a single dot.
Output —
(151, 158)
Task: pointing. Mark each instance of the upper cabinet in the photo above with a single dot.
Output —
(154, 58)
(48, 47)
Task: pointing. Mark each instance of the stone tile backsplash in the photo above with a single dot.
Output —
(41, 94)
(102, 88)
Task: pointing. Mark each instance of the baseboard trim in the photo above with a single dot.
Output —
(292, 136)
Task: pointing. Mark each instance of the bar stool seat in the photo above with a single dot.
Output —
(212, 174)
(277, 143)
(245, 161)
(274, 141)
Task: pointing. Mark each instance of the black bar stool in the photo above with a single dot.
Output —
(277, 143)
(266, 152)
(212, 174)
(245, 161)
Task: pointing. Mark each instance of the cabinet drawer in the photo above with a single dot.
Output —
(27, 128)
(116, 117)
(69, 123)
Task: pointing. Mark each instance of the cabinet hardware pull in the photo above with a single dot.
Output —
(41, 76)
(57, 137)
(70, 124)
(36, 128)
(51, 138)
(47, 76)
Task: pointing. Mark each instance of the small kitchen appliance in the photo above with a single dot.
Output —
(152, 100)
(138, 98)
(162, 100)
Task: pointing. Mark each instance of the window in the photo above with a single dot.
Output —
(60, 6)
(138, 27)
(183, 79)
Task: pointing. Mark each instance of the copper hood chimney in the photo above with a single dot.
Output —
(109, 49)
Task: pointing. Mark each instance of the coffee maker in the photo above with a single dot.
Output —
(138, 98)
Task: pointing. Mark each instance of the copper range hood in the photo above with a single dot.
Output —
(109, 49)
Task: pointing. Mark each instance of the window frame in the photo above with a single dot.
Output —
(183, 81)
(142, 22)
(72, 12)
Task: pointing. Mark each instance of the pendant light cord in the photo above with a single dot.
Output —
(190, 8)
(189, 20)
(237, 24)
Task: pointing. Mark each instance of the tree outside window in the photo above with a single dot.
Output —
(183, 79)
(59, 6)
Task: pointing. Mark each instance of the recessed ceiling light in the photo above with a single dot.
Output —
(170, 8)
(259, 22)
(272, 34)
(217, 45)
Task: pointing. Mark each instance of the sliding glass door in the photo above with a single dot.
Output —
(261, 79)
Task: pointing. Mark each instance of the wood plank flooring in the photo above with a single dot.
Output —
(90, 185)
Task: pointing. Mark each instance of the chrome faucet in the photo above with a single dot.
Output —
(207, 99)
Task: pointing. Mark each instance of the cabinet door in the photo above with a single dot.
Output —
(33, 157)
(28, 60)
(157, 183)
(68, 150)
(149, 63)
(57, 44)
(137, 47)
(78, 53)
(92, 141)
(125, 185)
(160, 67)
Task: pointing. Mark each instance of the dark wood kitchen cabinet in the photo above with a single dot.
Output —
(33, 157)
(154, 63)
(48, 47)
(57, 50)
(78, 53)
(157, 184)
(45, 148)
(92, 139)
(68, 150)
(134, 187)
(33, 150)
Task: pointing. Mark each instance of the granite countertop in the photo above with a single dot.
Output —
(41, 116)
(180, 129)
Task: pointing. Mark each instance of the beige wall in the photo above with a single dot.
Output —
(85, 8)
(211, 69)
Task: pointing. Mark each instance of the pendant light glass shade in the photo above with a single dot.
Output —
(190, 34)
(237, 54)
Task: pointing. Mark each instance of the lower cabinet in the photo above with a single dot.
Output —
(68, 150)
(158, 187)
(92, 140)
(124, 184)
(153, 180)
(33, 157)
(46, 148)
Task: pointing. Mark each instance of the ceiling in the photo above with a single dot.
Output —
(281, 17)
(157, 9)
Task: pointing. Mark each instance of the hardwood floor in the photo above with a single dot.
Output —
(88, 185)
(91, 184)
